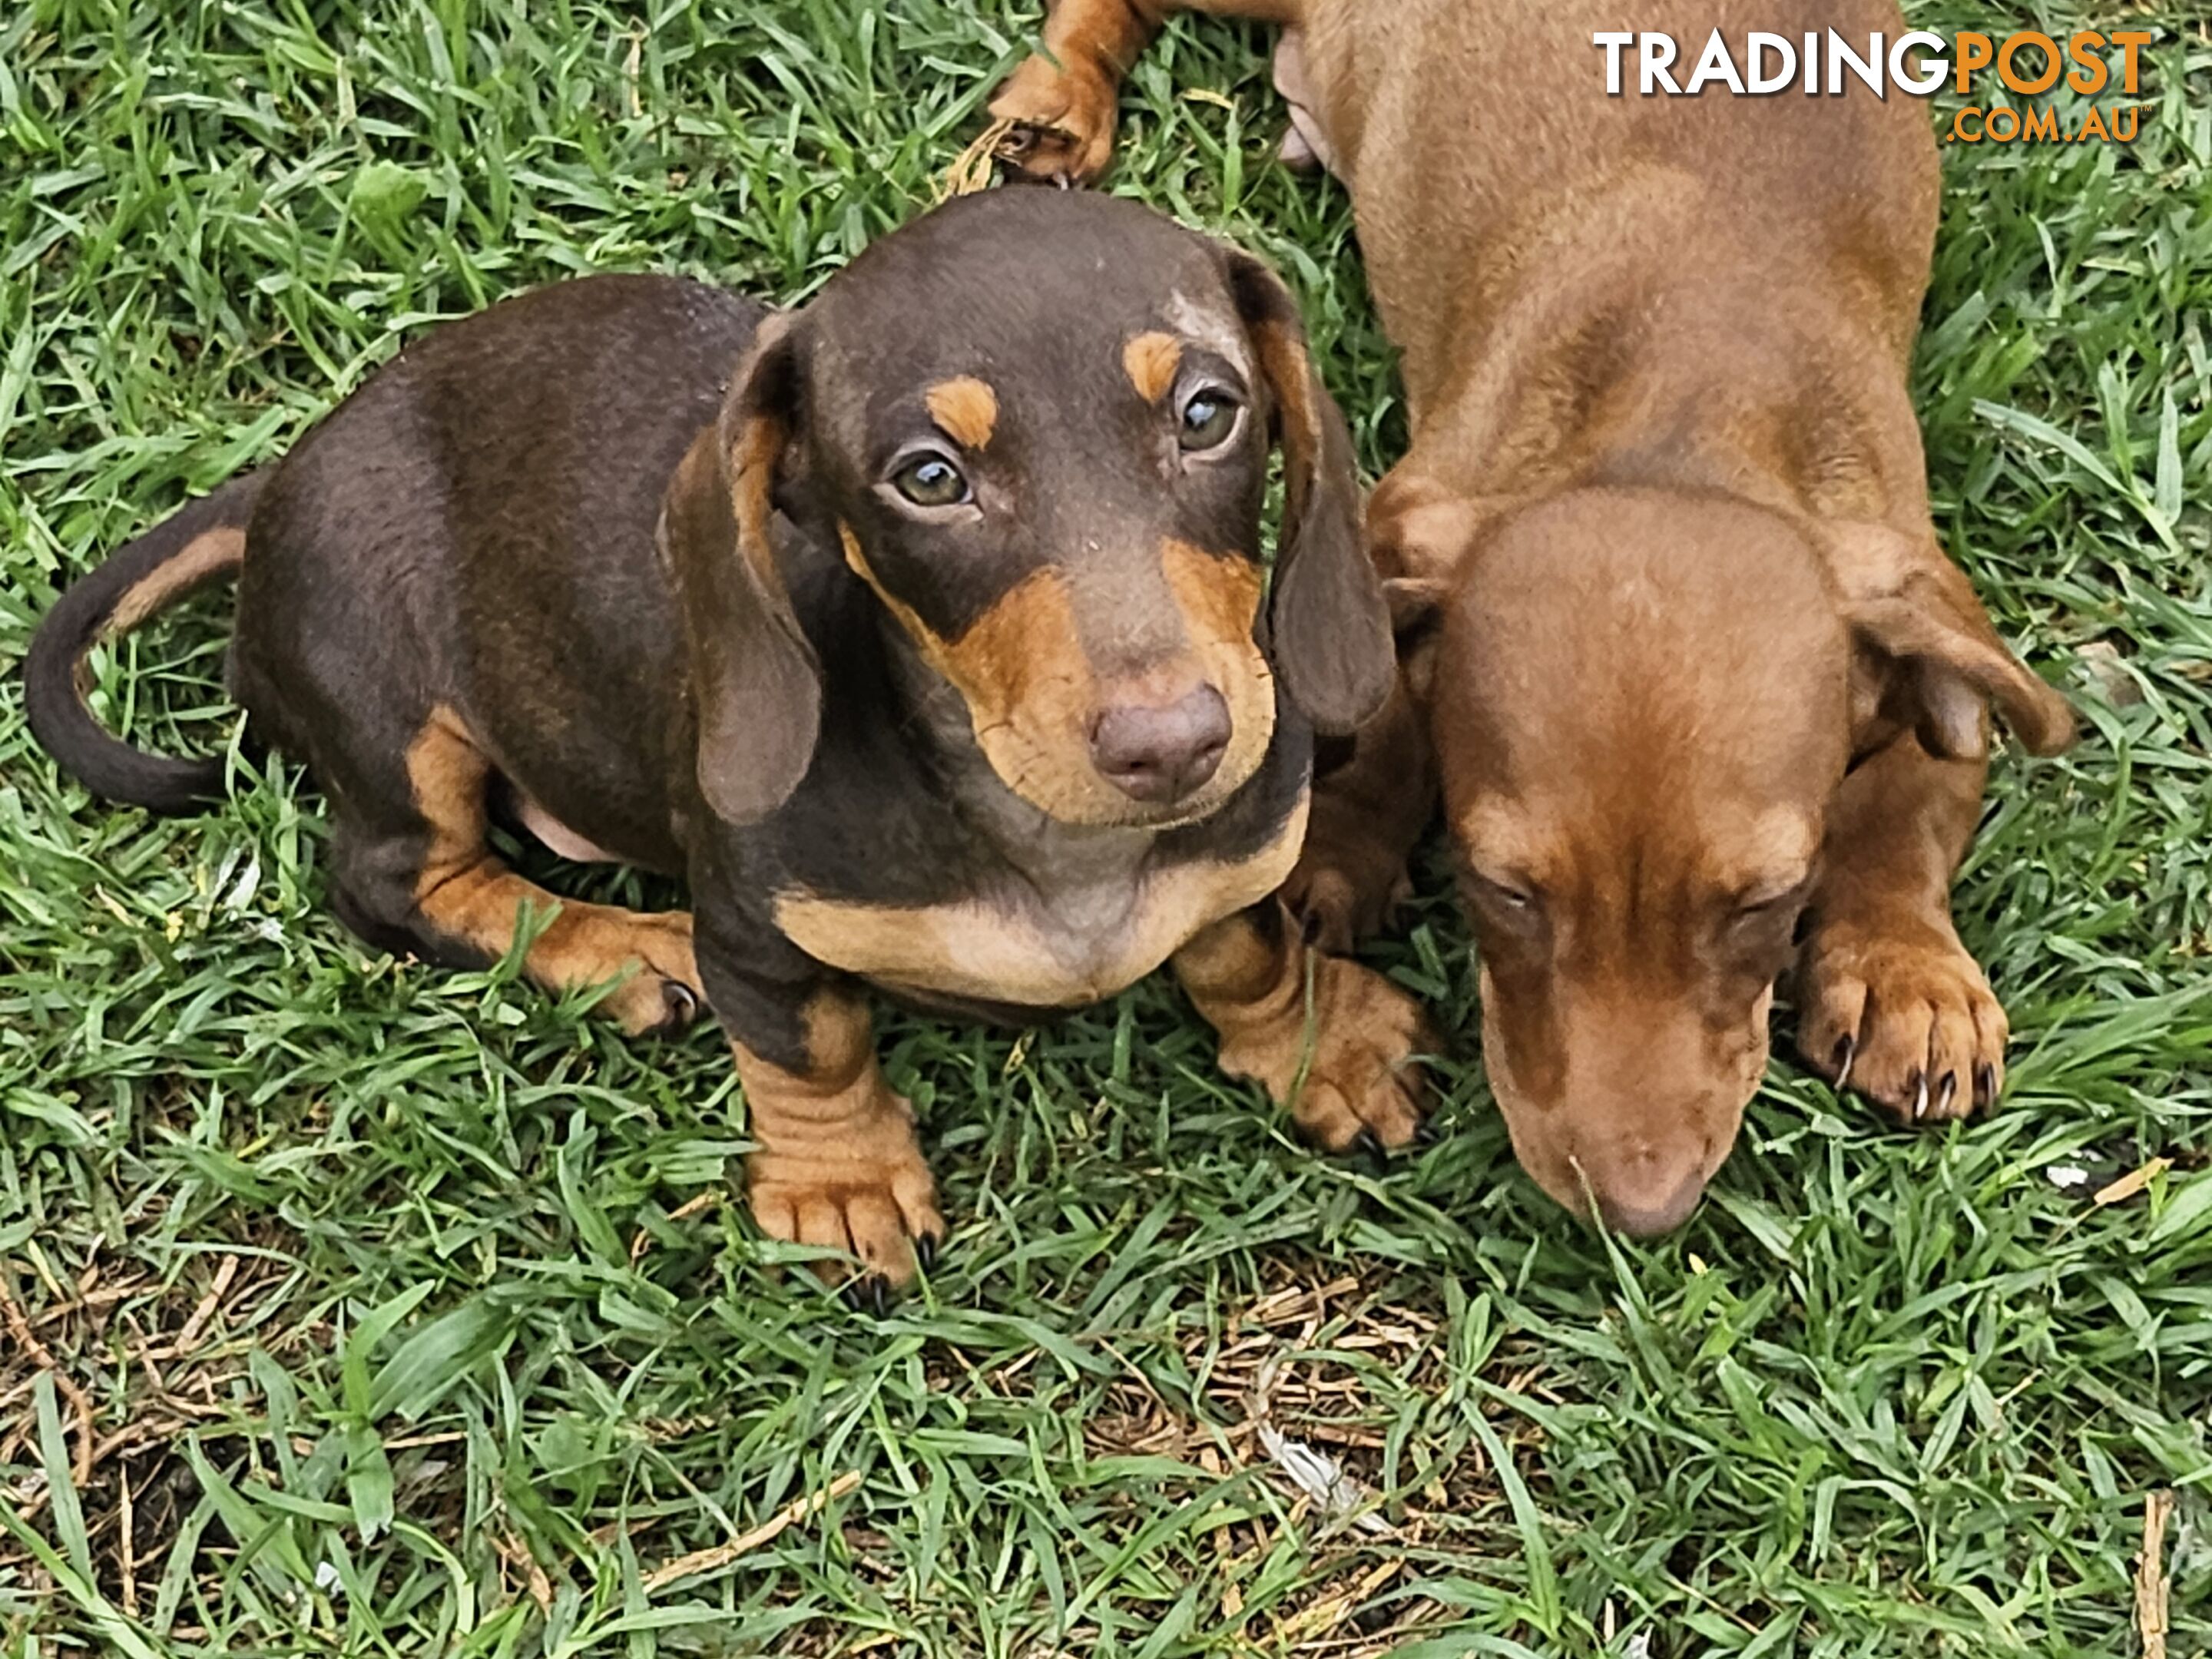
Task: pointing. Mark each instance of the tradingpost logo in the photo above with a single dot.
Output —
(2026, 63)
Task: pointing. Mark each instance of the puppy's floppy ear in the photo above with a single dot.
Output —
(1905, 601)
(756, 684)
(1330, 628)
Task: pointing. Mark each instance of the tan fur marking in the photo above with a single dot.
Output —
(1028, 689)
(1152, 359)
(967, 409)
(1012, 952)
(1219, 598)
(207, 555)
(469, 895)
(1327, 1038)
(837, 1164)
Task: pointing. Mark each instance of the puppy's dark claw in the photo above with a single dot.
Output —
(872, 1293)
(925, 1251)
(1427, 1135)
(1371, 1148)
(1985, 1085)
(1945, 1095)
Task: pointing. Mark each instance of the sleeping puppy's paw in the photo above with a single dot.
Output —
(660, 995)
(1342, 891)
(1063, 118)
(1347, 1070)
(870, 1195)
(1904, 1016)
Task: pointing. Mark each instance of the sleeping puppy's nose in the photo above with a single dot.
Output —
(1651, 1197)
(1160, 753)
(1634, 1221)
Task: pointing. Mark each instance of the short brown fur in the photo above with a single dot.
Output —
(1028, 687)
(213, 554)
(1219, 596)
(989, 948)
(575, 562)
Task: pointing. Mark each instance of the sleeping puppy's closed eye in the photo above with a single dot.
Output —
(1641, 806)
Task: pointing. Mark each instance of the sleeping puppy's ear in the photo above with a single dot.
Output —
(1905, 602)
(756, 684)
(1330, 628)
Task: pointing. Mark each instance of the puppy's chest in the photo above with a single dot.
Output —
(1093, 928)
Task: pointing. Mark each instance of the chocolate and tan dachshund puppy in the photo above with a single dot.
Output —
(1703, 690)
(921, 630)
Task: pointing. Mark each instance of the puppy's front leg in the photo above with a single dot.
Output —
(1328, 1039)
(1368, 816)
(1890, 1003)
(836, 1163)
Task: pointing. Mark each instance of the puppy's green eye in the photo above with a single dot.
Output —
(931, 481)
(1207, 420)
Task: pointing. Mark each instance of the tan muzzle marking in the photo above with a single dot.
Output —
(1027, 683)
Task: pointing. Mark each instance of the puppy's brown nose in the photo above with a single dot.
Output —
(1651, 1197)
(1159, 754)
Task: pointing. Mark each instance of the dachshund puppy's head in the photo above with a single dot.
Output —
(1643, 702)
(1037, 426)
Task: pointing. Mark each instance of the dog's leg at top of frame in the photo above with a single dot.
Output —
(1061, 101)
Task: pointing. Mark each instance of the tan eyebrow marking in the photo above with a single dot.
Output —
(966, 409)
(1151, 361)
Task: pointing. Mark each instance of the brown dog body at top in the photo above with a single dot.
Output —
(920, 631)
(1703, 690)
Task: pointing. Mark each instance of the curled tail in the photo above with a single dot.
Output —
(204, 540)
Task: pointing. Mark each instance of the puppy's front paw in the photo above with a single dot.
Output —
(869, 1194)
(1904, 1016)
(1342, 1061)
(1063, 118)
(1344, 891)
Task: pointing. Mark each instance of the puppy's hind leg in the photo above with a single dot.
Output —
(423, 876)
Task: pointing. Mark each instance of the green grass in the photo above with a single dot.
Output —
(413, 1312)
